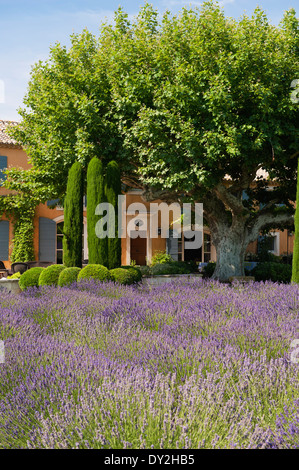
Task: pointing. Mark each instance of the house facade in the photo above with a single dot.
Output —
(49, 219)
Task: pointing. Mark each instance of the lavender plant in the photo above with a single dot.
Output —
(101, 365)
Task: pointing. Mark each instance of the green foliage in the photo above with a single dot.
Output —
(68, 276)
(94, 271)
(97, 247)
(136, 272)
(209, 269)
(19, 207)
(181, 104)
(73, 217)
(113, 189)
(276, 272)
(295, 262)
(14, 276)
(145, 270)
(123, 276)
(23, 249)
(161, 257)
(30, 278)
(175, 267)
(50, 275)
(264, 254)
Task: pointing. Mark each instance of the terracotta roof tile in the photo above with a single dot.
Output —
(5, 139)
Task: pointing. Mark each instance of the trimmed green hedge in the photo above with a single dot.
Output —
(94, 271)
(276, 272)
(136, 272)
(30, 278)
(50, 275)
(123, 276)
(175, 267)
(68, 276)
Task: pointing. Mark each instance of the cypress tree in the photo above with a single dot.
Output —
(73, 217)
(295, 265)
(113, 189)
(97, 247)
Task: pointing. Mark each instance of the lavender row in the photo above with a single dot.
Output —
(197, 365)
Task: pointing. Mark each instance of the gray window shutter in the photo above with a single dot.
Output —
(172, 246)
(3, 166)
(53, 202)
(47, 240)
(4, 240)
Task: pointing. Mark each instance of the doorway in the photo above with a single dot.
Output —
(138, 250)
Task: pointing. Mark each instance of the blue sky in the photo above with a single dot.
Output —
(29, 27)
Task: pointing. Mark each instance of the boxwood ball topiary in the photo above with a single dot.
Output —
(123, 276)
(50, 275)
(94, 271)
(68, 276)
(30, 278)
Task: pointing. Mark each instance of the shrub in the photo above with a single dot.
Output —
(68, 276)
(14, 276)
(30, 278)
(192, 265)
(94, 271)
(167, 268)
(183, 267)
(123, 276)
(209, 269)
(136, 272)
(161, 257)
(145, 270)
(50, 275)
(276, 272)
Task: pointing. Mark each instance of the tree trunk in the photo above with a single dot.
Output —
(230, 252)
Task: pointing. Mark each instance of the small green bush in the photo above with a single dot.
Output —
(175, 267)
(94, 271)
(209, 269)
(145, 270)
(161, 257)
(30, 278)
(272, 271)
(136, 272)
(68, 276)
(123, 276)
(183, 267)
(50, 275)
(164, 268)
(15, 276)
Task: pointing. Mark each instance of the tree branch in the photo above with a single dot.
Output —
(266, 220)
(233, 203)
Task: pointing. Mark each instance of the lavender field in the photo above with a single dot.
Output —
(196, 364)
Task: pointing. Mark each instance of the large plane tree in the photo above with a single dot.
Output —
(193, 107)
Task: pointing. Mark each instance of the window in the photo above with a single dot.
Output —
(59, 246)
(59, 243)
(207, 248)
(3, 166)
(202, 254)
(4, 240)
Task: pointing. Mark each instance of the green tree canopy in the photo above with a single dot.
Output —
(192, 107)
